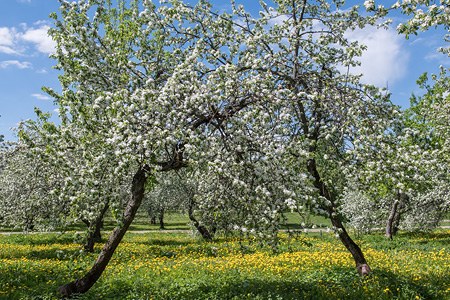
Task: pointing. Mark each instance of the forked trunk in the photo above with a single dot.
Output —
(360, 261)
(83, 284)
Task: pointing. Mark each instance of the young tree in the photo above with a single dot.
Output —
(167, 195)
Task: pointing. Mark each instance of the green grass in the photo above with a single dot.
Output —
(172, 221)
(294, 221)
(180, 221)
(178, 266)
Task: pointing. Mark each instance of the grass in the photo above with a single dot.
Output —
(180, 221)
(178, 266)
(295, 221)
(172, 220)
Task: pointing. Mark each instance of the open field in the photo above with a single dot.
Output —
(179, 266)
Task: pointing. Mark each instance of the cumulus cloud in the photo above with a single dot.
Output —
(41, 96)
(15, 41)
(15, 63)
(40, 38)
(385, 60)
(8, 36)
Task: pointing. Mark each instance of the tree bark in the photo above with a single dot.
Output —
(83, 284)
(161, 218)
(361, 264)
(204, 232)
(391, 219)
(395, 215)
(403, 200)
(94, 233)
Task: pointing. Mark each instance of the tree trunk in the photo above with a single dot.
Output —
(393, 221)
(204, 232)
(360, 261)
(82, 285)
(390, 220)
(403, 199)
(396, 223)
(151, 215)
(161, 218)
(361, 264)
(94, 233)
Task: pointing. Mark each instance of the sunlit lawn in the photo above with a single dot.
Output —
(179, 266)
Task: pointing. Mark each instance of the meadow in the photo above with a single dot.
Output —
(178, 265)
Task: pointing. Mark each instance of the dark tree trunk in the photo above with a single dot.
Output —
(396, 223)
(83, 284)
(404, 199)
(152, 215)
(94, 233)
(29, 224)
(331, 208)
(391, 219)
(204, 232)
(161, 218)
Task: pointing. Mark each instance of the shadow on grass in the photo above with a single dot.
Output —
(166, 242)
(338, 283)
(409, 241)
(38, 239)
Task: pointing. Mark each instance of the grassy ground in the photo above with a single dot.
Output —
(179, 266)
(179, 221)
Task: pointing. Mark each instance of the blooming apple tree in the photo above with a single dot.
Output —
(257, 104)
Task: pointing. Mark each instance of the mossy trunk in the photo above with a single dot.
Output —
(83, 284)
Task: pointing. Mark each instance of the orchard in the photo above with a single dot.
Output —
(238, 122)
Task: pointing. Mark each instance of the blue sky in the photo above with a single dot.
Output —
(25, 66)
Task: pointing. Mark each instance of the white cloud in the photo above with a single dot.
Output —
(15, 41)
(42, 71)
(6, 36)
(7, 40)
(15, 63)
(41, 96)
(24, 1)
(40, 38)
(385, 60)
(435, 56)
